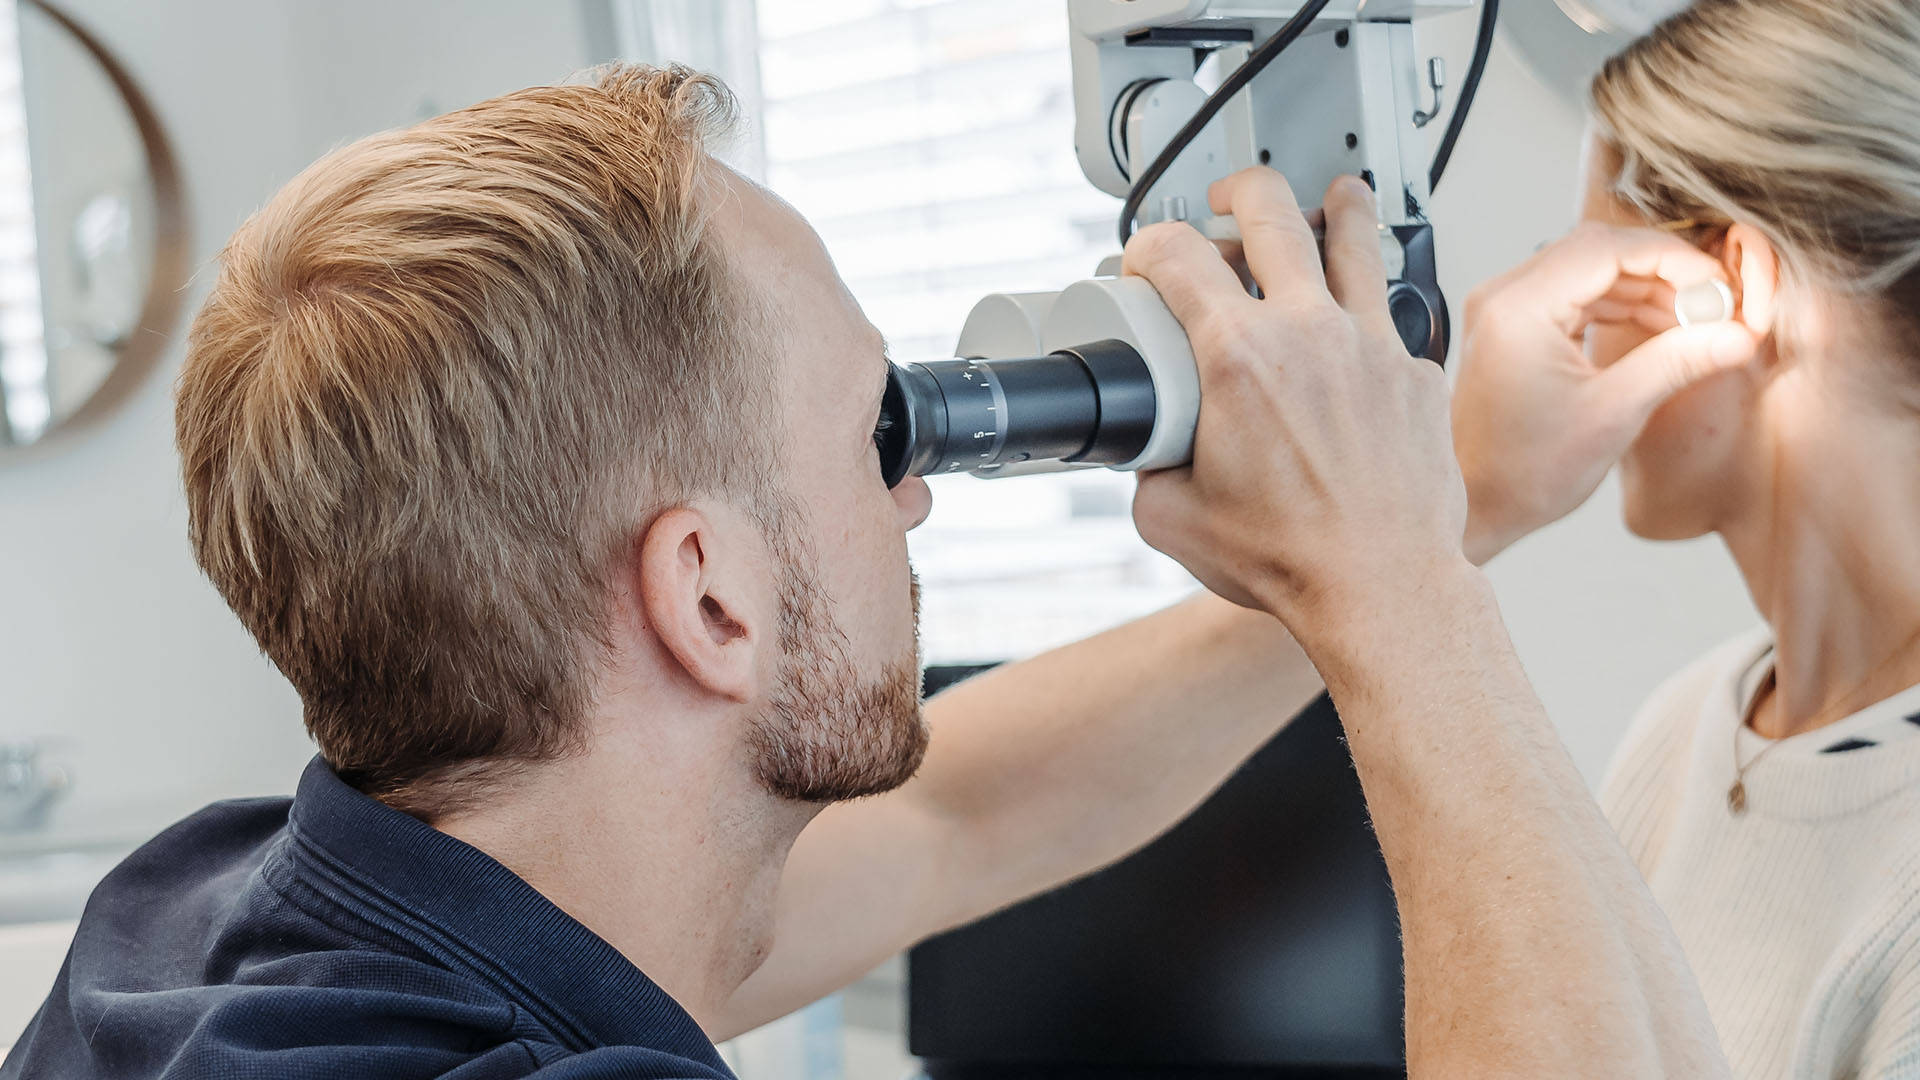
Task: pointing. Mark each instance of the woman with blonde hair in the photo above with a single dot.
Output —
(1771, 790)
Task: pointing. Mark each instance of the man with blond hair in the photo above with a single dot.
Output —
(535, 447)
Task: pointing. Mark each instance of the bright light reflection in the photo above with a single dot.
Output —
(23, 346)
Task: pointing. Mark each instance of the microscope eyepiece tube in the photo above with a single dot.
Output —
(1102, 374)
(1092, 405)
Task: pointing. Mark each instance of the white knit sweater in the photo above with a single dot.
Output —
(1801, 917)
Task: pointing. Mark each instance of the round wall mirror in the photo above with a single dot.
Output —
(93, 249)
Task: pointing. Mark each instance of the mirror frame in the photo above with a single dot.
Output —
(170, 272)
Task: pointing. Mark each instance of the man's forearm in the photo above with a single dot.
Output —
(1056, 766)
(1532, 946)
(1038, 772)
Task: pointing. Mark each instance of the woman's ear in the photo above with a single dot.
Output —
(695, 593)
(1754, 267)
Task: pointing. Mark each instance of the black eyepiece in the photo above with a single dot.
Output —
(1093, 404)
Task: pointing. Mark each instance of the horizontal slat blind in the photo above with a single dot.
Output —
(931, 144)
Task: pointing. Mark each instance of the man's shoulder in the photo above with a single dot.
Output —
(201, 955)
(211, 841)
(237, 942)
(323, 1033)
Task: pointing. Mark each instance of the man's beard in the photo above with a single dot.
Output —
(829, 733)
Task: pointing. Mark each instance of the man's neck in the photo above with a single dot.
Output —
(669, 849)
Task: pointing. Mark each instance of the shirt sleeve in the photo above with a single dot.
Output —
(1890, 1042)
(626, 1063)
(1864, 1019)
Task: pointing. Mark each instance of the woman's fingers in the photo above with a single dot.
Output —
(1563, 280)
(1654, 318)
(1632, 388)
(1642, 291)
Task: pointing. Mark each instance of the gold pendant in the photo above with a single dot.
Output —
(1737, 797)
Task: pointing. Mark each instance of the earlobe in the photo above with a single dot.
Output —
(694, 598)
(1754, 266)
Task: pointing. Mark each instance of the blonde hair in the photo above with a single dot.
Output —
(1799, 117)
(442, 378)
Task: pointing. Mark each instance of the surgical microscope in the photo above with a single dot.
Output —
(1100, 373)
(1257, 940)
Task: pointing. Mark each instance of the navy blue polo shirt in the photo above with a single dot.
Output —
(332, 936)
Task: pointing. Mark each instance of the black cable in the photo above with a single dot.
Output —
(1242, 75)
(1482, 48)
(1257, 62)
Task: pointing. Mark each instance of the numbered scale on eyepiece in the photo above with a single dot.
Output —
(1093, 404)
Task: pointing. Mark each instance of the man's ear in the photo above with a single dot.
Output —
(696, 590)
(1754, 266)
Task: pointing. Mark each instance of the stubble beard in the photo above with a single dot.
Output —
(829, 732)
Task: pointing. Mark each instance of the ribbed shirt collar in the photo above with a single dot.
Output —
(470, 912)
(1801, 779)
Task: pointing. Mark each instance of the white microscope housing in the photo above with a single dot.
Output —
(1350, 96)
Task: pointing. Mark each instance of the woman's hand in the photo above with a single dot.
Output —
(1536, 425)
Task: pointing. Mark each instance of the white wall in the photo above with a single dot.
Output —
(1598, 616)
(360, 66)
(110, 640)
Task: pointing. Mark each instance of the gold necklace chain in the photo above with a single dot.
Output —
(1737, 794)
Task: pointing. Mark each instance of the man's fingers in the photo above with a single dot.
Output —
(1356, 273)
(1185, 268)
(1281, 250)
(1641, 381)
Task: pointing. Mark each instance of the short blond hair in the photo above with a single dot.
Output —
(443, 378)
(1799, 117)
